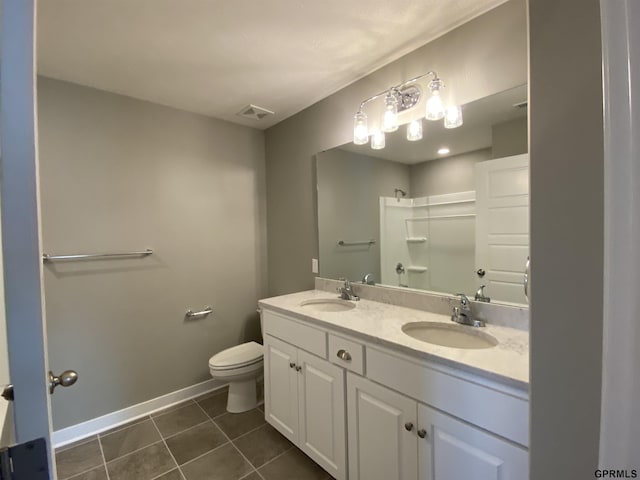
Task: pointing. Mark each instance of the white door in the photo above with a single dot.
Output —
(23, 301)
(322, 413)
(450, 449)
(502, 226)
(281, 386)
(382, 432)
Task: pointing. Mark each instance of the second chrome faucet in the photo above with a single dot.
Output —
(346, 291)
(463, 314)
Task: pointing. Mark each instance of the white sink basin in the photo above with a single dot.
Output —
(328, 304)
(453, 336)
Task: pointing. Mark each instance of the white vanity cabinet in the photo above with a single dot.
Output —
(393, 436)
(401, 416)
(382, 439)
(304, 394)
(450, 449)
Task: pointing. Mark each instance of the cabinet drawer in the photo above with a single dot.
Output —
(302, 336)
(346, 353)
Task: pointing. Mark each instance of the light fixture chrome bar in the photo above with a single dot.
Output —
(86, 256)
(399, 86)
(201, 313)
(342, 243)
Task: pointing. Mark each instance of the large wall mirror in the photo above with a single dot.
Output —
(447, 213)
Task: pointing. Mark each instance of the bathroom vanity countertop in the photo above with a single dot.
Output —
(381, 323)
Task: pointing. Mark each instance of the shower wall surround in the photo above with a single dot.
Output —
(120, 174)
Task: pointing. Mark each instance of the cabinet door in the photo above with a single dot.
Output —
(382, 432)
(454, 450)
(281, 387)
(322, 413)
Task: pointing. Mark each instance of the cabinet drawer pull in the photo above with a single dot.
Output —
(298, 368)
(408, 426)
(422, 433)
(292, 365)
(344, 355)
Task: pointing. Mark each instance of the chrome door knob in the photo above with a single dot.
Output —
(66, 379)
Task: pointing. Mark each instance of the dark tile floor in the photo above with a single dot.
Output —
(195, 440)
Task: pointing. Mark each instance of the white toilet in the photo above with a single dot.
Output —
(240, 366)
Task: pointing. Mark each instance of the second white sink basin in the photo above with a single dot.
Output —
(328, 304)
(453, 336)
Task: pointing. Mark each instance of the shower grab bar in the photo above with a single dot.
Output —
(84, 256)
(342, 243)
(201, 313)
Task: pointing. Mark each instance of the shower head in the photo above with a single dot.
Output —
(402, 192)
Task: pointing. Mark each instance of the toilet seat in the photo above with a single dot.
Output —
(236, 357)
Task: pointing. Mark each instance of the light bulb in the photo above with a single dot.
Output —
(414, 130)
(443, 150)
(390, 117)
(435, 107)
(360, 129)
(453, 117)
(377, 141)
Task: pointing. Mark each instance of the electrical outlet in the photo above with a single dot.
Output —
(314, 265)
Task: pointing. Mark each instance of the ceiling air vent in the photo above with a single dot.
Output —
(255, 113)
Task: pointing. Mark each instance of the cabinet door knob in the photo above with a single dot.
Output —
(344, 355)
(408, 426)
(422, 433)
(298, 368)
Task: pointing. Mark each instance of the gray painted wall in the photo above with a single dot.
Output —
(485, 56)
(119, 174)
(510, 138)
(349, 188)
(446, 175)
(566, 152)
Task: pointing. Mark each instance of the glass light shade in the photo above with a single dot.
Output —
(390, 117)
(435, 107)
(360, 129)
(453, 117)
(414, 130)
(377, 141)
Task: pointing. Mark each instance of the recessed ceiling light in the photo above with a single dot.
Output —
(443, 151)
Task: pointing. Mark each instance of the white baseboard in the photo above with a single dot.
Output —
(111, 420)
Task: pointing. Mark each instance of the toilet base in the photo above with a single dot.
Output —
(242, 396)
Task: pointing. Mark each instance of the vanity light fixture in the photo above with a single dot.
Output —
(414, 130)
(400, 98)
(443, 150)
(453, 117)
(360, 129)
(390, 116)
(377, 141)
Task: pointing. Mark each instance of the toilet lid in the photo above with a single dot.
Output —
(238, 356)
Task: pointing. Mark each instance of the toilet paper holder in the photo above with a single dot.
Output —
(202, 313)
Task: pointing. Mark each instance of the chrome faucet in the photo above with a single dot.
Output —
(463, 314)
(346, 291)
(480, 296)
(369, 279)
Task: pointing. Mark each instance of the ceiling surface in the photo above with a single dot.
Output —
(214, 57)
